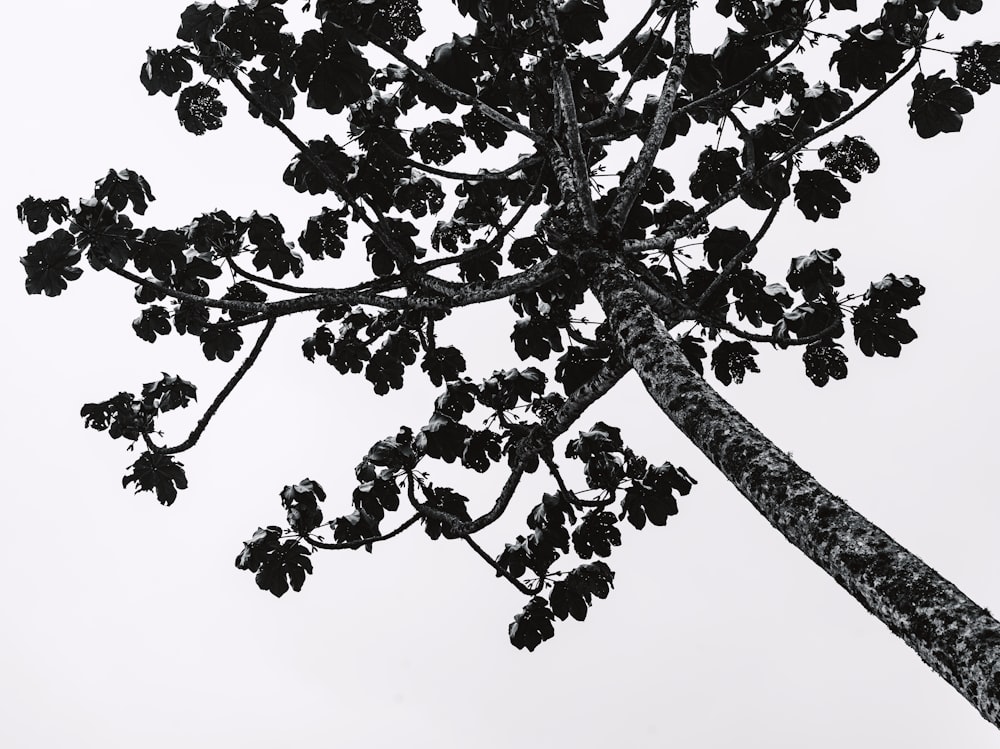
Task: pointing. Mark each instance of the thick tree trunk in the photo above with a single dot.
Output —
(953, 635)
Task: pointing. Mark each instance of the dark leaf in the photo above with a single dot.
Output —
(199, 108)
(154, 472)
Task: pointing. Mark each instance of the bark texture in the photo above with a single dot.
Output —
(952, 634)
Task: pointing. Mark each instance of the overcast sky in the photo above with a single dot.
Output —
(125, 624)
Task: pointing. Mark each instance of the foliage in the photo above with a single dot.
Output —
(536, 231)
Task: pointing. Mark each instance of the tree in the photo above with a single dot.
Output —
(525, 77)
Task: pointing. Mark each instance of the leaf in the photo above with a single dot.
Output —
(324, 234)
(51, 263)
(301, 502)
(153, 321)
(596, 534)
(332, 70)
(446, 500)
(439, 142)
(457, 399)
(815, 274)
(717, 171)
(937, 105)
(894, 294)
(532, 626)
(693, 351)
(252, 28)
(580, 20)
(866, 57)
(168, 393)
(387, 364)
(119, 189)
(824, 359)
(978, 66)
(121, 416)
(731, 361)
(879, 331)
(722, 245)
(243, 291)
(38, 212)
(419, 196)
(849, 157)
(443, 363)
(573, 595)
(155, 472)
(600, 438)
(220, 342)
(266, 234)
(526, 251)
(819, 193)
(165, 70)
(442, 438)
(484, 131)
(536, 337)
(578, 366)
(305, 176)
(278, 565)
(273, 96)
(199, 21)
(199, 110)
(758, 301)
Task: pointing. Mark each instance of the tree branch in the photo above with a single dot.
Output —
(734, 263)
(362, 541)
(637, 176)
(630, 36)
(459, 96)
(579, 170)
(501, 572)
(200, 427)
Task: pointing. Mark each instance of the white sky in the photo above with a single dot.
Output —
(126, 625)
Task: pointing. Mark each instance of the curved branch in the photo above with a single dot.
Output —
(270, 282)
(362, 541)
(773, 339)
(620, 47)
(219, 399)
(637, 176)
(498, 175)
(729, 268)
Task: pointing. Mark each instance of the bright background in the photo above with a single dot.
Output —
(125, 624)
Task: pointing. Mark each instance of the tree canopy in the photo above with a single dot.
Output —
(584, 261)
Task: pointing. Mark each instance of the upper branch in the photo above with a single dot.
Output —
(683, 226)
(631, 35)
(459, 96)
(579, 169)
(637, 176)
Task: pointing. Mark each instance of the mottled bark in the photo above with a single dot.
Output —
(957, 638)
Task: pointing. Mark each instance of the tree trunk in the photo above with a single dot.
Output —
(957, 638)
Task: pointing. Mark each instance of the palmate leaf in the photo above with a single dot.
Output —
(937, 105)
(37, 213)
(331, 70)
(51, 263)
(155, 472)
(199, 109)
(532, 626)
(165, 70)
